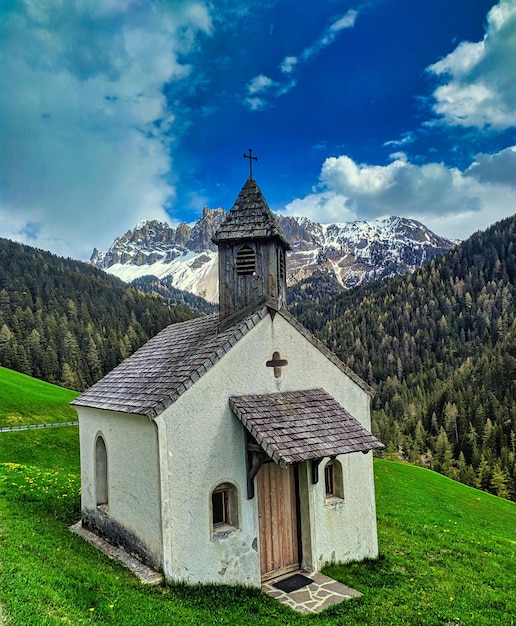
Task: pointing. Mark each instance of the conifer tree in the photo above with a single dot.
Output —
(499, 482)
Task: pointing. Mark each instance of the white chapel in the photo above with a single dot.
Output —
(235, 447)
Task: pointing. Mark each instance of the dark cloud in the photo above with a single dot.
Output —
(496, 169)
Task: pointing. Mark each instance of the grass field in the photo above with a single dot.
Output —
(448, 555)
(25, 400)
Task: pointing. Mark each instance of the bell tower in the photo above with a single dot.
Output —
(252, 264)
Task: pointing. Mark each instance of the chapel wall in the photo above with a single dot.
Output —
(342, 529)
(131, 518)
(214, 452)
(346, 528)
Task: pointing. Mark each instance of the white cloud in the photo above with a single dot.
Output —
(275, 89)
(258, 88)
(329, 35)
(261, 87)
(451, 202)
(288, 64)
(86, 126)
(256, 104)
(405, 139)
(346, 21)
(324, 207)
(478, 88)
(260, 84)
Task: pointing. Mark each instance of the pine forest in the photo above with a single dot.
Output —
(68, 323)
(439, 347)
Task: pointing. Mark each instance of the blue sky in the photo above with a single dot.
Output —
(114, 111)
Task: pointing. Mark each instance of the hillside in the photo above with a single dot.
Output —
(165, 288)
(448, 553)
(68, 323)
(25, 400)
(440, 346)
(349, 252)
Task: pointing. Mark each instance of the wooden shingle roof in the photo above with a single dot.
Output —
(250, 218)
(166, 366)
(299, 426)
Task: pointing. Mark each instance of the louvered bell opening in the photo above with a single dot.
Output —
(246, 261)
(281, 263)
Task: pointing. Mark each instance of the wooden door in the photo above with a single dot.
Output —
(279, 552)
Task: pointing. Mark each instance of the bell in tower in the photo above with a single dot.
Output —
(252, 248)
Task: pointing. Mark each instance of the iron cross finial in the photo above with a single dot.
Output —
(251, 159)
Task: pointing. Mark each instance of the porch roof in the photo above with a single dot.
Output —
(295, 426)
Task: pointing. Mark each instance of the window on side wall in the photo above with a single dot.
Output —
(101, 472)
(224, 507)
(333, 480)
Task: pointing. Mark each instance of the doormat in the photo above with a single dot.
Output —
(293, 583)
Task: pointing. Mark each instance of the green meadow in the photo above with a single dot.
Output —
(448, 552)
(25, 400)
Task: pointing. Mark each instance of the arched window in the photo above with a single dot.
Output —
(333, 480)
(224, 506)
(246, 261)
(101, 472)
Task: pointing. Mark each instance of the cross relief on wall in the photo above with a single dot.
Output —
(277, 363)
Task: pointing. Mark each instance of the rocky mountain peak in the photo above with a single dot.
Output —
(205, 228)
(350, 252)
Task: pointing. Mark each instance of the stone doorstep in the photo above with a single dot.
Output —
(145, 574)
(314, 598)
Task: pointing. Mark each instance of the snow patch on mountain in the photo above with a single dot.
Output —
(354, 252)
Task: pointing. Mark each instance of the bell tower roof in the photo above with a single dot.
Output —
(250, 219)
(252, 257)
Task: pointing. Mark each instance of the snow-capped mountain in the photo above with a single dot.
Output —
(357, 252)
(354, 252)
(184, 254)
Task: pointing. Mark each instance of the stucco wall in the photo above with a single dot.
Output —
(132, 516)
(346, 528)
(205, 444)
